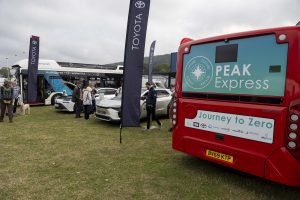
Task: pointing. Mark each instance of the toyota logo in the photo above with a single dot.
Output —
(140, 4)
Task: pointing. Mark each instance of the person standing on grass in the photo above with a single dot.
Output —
(76, 98)
(87, 102)
(151, 105)
(16, 95)
(7, 101)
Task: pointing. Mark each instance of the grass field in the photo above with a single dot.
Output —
(51, 155)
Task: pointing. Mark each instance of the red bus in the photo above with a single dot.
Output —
(238, 102)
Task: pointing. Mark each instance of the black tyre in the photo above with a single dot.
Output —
(55, 97)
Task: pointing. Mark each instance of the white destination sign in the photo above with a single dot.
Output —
(242, 126)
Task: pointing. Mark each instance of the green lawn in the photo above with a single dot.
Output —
(52, 155)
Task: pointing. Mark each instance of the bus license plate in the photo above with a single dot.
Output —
(219, 156)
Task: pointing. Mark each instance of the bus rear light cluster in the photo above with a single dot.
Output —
(294, 117)
(292, 145)
(174, 119)
(293, 127)
(293, 131)
(292, 135)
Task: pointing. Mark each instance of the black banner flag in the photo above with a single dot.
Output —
(173, 62)
(151, 57)
(33, 63)
(134, 61)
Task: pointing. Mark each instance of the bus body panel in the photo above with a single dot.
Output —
(264, 156)
(282, 167)
(250, 159)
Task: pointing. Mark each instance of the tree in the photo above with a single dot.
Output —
(159, 68)
(162, 68)
(4, 71)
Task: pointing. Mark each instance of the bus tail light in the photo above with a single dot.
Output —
(174, 115)
(292, 145)
(292, 134)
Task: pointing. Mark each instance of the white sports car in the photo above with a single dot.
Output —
(109, 109)
(65, 103)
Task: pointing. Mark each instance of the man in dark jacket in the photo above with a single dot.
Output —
(77, 99)
(6, 100)
(151, 105)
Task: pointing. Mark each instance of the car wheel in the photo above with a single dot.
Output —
(55, 97)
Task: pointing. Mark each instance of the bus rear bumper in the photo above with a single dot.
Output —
(282, 167)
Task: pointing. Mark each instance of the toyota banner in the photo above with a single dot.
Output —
(134, 61)
(33, 62)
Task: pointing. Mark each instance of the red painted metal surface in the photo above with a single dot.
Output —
(274, 161)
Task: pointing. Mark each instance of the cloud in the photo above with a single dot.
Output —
(93, 31)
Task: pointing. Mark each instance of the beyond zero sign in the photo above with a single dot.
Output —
(242, 126)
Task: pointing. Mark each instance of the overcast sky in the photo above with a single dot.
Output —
(93, 31)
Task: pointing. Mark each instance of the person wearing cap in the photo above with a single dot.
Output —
(6, 101)
(151, 105)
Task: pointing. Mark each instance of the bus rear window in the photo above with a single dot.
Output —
(247, 66)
